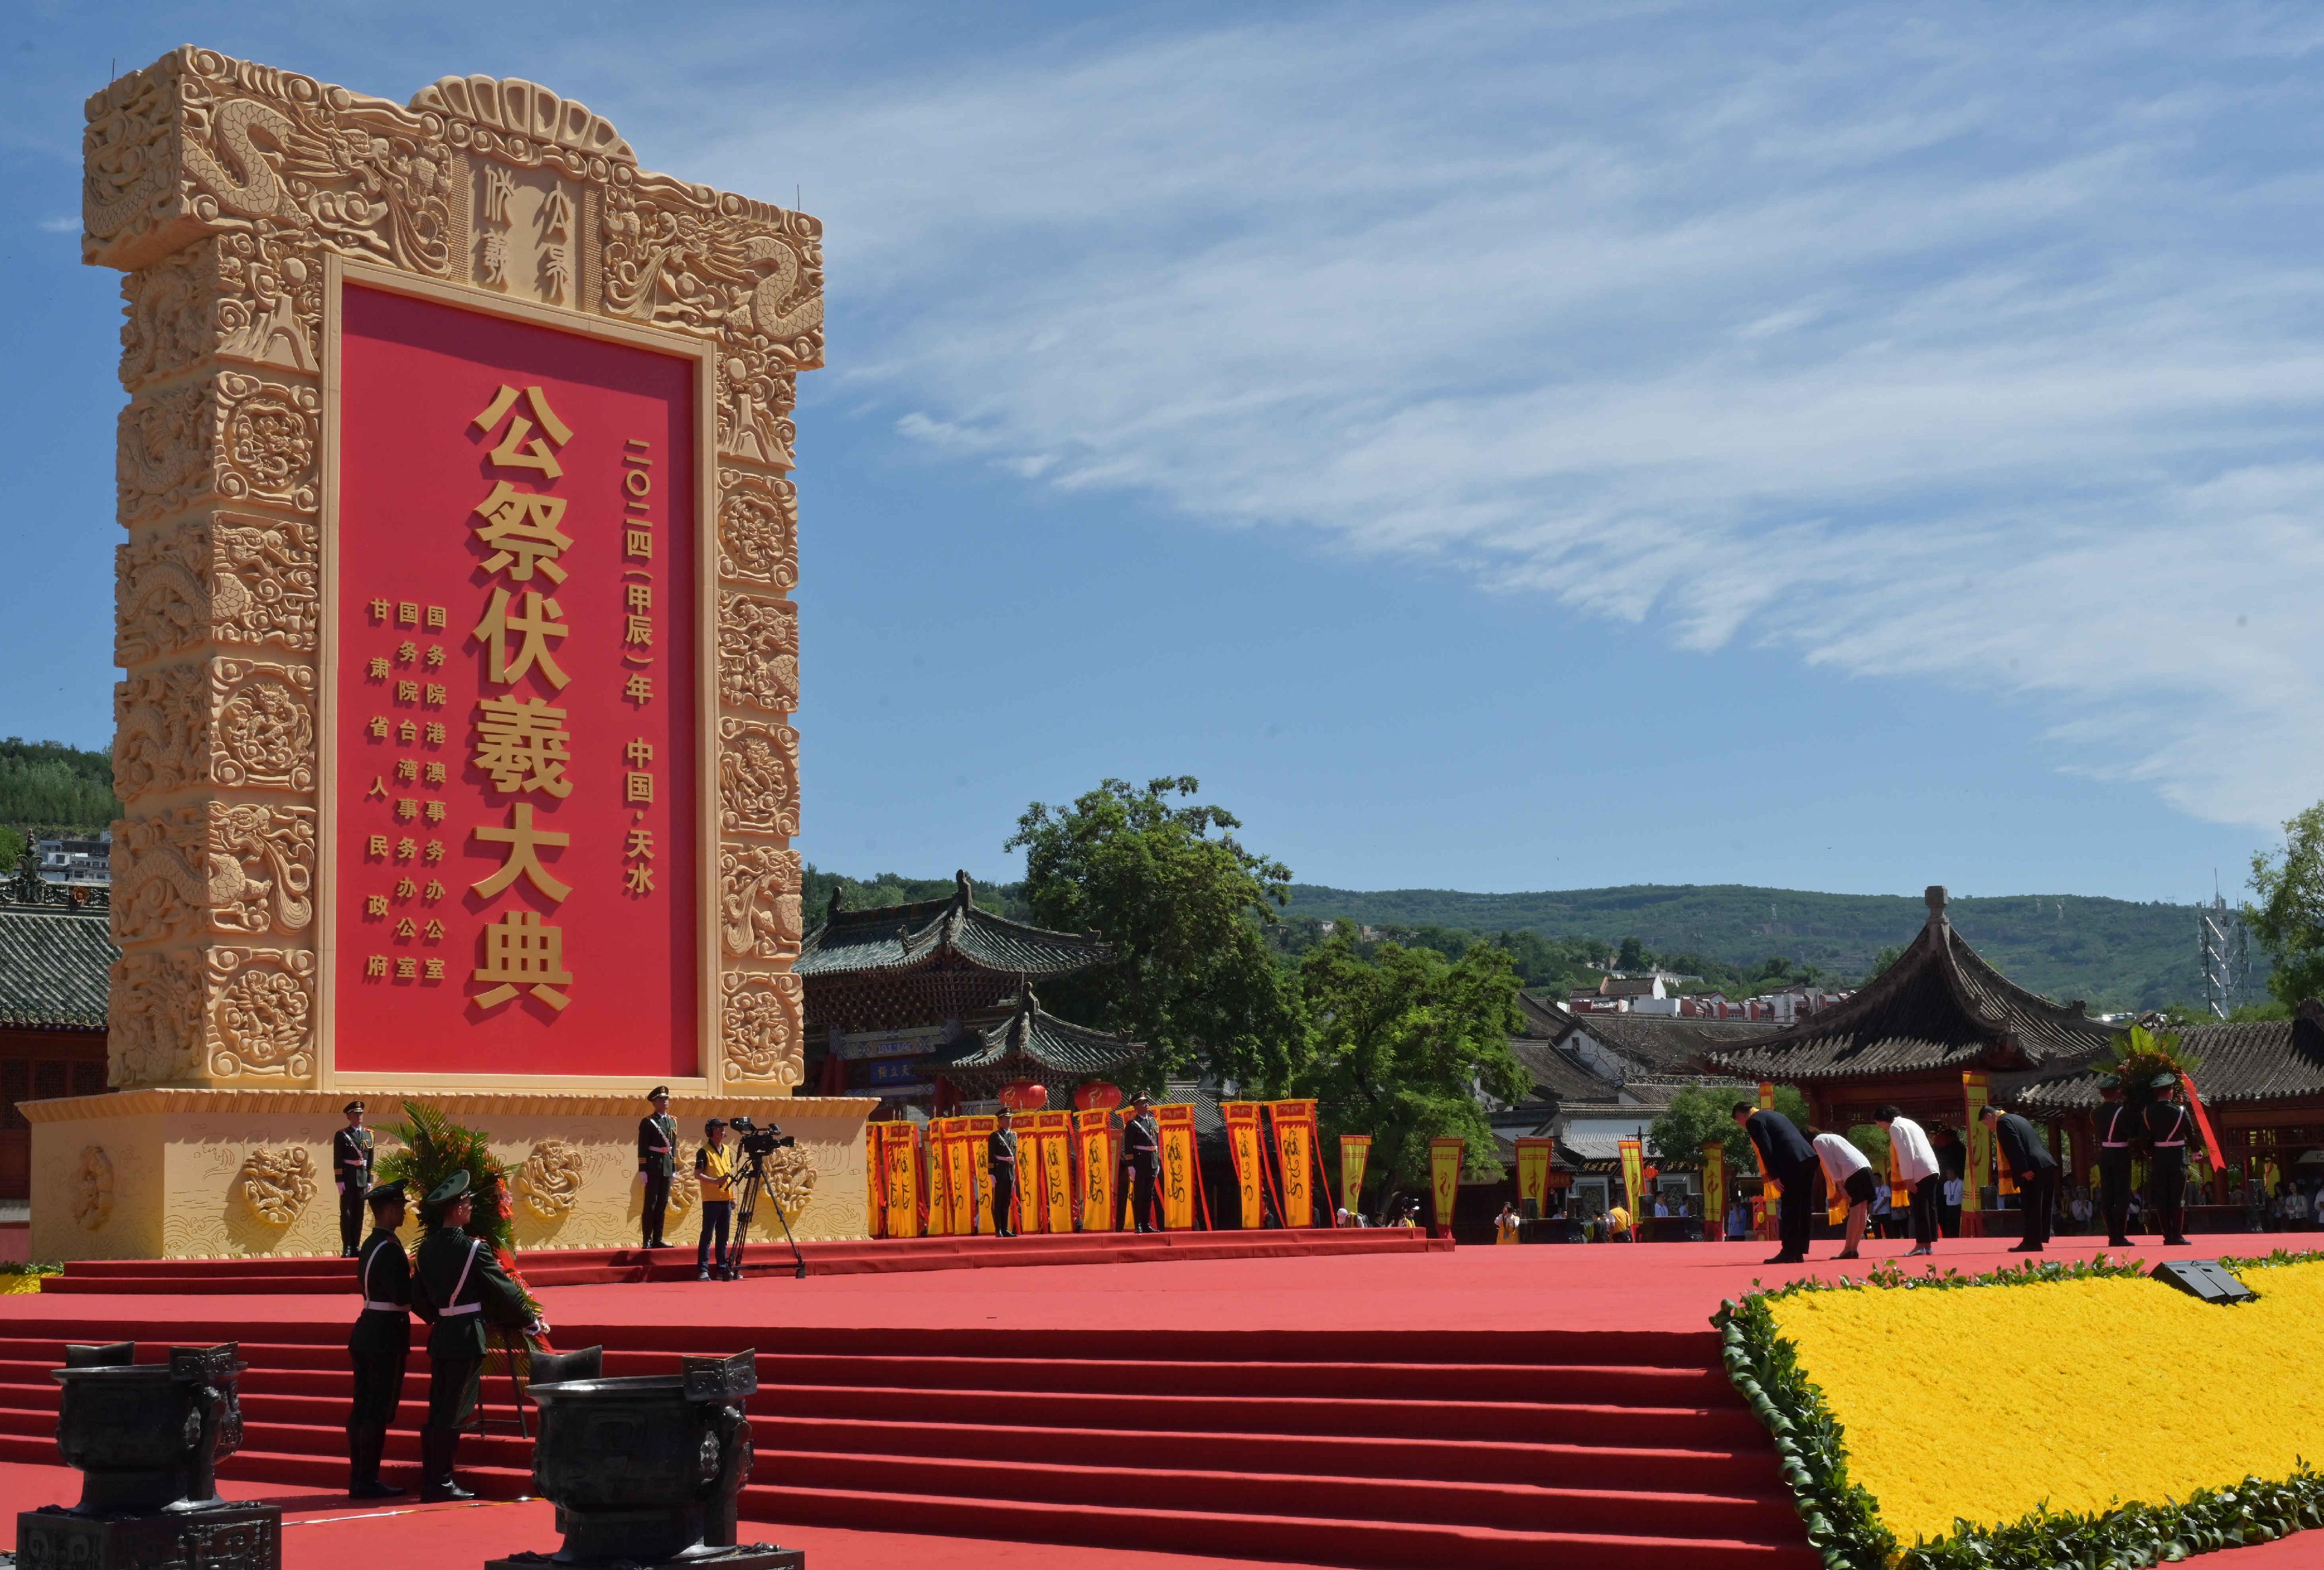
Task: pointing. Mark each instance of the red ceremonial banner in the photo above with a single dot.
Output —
(514, 808)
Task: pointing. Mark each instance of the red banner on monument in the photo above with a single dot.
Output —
(515, 807)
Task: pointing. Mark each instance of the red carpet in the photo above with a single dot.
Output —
(1486, 1407)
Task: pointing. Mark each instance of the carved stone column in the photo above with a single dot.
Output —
(221, 188)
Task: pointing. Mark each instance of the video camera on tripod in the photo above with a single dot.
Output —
(756, 1145)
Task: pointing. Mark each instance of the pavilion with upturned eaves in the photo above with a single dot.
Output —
(887, 989)
(1033, 1046)
(1909, 1035)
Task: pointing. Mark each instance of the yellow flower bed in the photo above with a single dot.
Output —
(1985, 1403)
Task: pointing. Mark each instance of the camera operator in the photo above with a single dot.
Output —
(713, 1170)
(756, 1145)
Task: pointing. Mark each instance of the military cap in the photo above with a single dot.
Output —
(1142, 1099)
(352, 1106)
(2163, 1082)
(454, 1188)
(381, 1193)
(657, 1092)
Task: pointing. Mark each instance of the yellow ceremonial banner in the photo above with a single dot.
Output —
(1250, 1166)
(1981, 1149)
(1764, 1217)
(875, 1181)
(1533, 1174)
(980, 1128)
(1049, 1172)
(1634, 1183)
(960, 1179)
(1294, 1122)
(900, 1165)
(936, 1152)
(1177, 1175)
(1355, 1151)
(1714, 1190)
(1094, 1131)
(1444, 1179)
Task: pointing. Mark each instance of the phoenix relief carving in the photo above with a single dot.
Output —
(246, 866)
(759, 900)
(758, 653)
(236, 581)
(760, 1029)
(758, 778)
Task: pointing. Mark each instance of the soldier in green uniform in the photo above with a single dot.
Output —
(351, 1165)
(459, 1286)
(658, 1160)
(380, 1343)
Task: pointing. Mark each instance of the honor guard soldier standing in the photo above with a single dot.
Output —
(380, 1344)
(2167, 1123)
(459, 1287)
(2115, 1129)
(658, 1160)
(1000, 1160)
(351, 1163)
(1141, 1152)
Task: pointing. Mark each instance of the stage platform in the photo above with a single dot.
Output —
(1484, 1407)
(330, 1275)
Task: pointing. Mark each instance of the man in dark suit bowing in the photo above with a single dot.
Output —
(2033, 1169)
(1788, 1159)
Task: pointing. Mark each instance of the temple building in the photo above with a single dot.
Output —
(1909, 1034)
(887, 989)
(56, 954)
(1033, 1046)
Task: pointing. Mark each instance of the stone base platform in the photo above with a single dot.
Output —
(220, 1535)
(231, 1174)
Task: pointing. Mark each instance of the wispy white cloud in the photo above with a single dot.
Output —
(58, 225)
(1983, 347)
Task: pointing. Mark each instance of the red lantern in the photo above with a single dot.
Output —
(1022, 1095)
(1097, 1095)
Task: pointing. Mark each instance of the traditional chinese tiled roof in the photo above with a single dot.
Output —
(53, 969)
(900, 938)
(1033, 1044)
(1667, 1043)
(1560, 1077)
(2254, 1061)
(1939, 1007)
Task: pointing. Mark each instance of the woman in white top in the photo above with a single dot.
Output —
(1846, 1167)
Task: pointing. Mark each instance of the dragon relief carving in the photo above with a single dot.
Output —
(759, 900)
(235, 581)
(265, 730)
(153, 1020)
(791, 1181)
(550, 1179)
(758, 529)
(760, 1029)
(232, 436)
(161, 730)
(91, 1187)
(758, 653)
(275, 1184)
(157, 894)
(758, 778)
(251, 297)
(257, 868)
(262, 1013)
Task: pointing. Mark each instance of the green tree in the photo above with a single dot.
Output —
(2289, 920)
(1184, 904)
(1400, 1045)
(1633, 956)
(1703, 1112)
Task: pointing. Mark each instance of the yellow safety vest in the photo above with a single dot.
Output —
(715, 1165)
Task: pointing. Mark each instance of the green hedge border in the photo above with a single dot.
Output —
(1842, 1519)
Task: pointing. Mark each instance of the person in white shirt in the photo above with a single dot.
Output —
(1916, 1168)
(1847, 1169)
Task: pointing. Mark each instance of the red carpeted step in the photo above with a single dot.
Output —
(1607, 1424)
(1507, 1506)
(1342, 1542)
(1740, 1469)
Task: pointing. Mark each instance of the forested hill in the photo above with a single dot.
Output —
(2115, 954)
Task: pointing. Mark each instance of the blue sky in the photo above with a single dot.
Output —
(1492, 446)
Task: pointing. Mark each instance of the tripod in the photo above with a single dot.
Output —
(754, 1183)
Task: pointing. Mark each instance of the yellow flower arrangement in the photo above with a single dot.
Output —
(1984, 1403)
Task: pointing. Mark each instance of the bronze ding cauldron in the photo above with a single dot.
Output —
(148, 1435)
(646, 1469)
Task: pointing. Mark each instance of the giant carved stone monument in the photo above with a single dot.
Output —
(455, 608)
